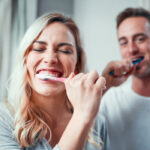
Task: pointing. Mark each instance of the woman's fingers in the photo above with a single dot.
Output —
(92, 77)
(101, 82)
(84, 91)
(89, 79)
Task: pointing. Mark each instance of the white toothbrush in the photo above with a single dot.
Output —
(50, 77)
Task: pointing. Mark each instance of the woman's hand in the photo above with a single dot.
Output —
(84, 92)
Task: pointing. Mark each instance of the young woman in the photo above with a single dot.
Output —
(45, 114)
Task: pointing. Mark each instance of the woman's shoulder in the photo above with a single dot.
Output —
(5, 113)
(7, 139)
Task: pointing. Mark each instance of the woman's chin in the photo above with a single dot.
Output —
(49, 92)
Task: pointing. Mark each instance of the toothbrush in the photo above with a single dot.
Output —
(50, 77)
(134, 62)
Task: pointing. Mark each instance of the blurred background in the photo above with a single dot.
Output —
(95, 19)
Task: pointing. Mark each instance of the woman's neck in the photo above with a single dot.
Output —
(55, 105)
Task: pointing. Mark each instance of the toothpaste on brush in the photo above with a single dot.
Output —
(134, 62)
(49, 77)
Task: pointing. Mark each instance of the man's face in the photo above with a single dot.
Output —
(134, 41)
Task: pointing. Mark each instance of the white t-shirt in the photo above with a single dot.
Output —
(127, 118)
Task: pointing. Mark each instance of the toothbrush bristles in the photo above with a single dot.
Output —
(49, 77)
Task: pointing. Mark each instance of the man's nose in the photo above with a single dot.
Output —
(133, 48)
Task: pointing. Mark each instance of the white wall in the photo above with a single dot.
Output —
(96, 20)
(62, 6)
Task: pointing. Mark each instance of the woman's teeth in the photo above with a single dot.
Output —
(49, 74)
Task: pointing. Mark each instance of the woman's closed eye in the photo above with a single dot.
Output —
(38, 49)
(65, 51)
(39, 46)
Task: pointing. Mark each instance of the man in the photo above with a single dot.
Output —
(127, 107)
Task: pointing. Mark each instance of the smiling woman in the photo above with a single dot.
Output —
(53, 53)
(48, 114)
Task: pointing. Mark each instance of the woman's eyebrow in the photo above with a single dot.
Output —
(64, 44)
(40, 42)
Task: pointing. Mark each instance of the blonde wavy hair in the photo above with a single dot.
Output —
(30, 121)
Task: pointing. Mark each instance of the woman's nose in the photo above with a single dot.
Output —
(50, 58)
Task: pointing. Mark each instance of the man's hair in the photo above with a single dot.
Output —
(132, 12)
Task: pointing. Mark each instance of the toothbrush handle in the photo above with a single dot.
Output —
(134, 62)
(61, 79)
(111, 73)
